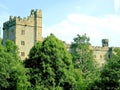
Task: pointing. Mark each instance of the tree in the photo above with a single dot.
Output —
(35, 50)
(12, 72)
(110, 74)
(83, 58)
(2, 48)
(79, 80)
(12, 49)
(53, 68)
(34, 53)
(82, 54)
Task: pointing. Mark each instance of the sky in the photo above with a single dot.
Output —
(98, 19)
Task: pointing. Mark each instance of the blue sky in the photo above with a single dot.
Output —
(66, 18)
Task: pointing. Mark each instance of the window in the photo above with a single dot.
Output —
(22, 53)
(22, 43)
(23, 32)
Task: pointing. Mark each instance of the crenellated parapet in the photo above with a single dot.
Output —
(11, 22)
(37, 13)
(30, 20)
(98, 48)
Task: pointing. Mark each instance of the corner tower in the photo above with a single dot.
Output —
(38, 24)
(25, 32)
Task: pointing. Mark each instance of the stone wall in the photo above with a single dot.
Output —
(100, 54)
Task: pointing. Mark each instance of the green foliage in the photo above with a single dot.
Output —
(82, 54)
(12, 49)
(2, 48)
(79, 79)
(34, 53)
(35, 50)
(110, 75)
(12, 72)
(83, 58)
(52, 68)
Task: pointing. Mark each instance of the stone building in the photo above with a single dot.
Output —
(25, 32)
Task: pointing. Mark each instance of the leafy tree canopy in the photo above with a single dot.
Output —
(12, 72)
(82, 54)
(83, 58)
(53, 66)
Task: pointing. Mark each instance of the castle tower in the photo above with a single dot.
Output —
(105, 43)
(25, 32)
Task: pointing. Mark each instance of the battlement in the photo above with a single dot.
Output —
(37, 13)
(29, 20)
(98, 48)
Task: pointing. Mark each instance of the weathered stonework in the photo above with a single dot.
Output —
(25, 32)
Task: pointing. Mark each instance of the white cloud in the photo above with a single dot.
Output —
(96, 28)
(116, 5)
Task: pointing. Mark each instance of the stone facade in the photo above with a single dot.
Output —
(25, 32)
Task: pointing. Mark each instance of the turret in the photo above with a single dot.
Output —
(105, 42)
